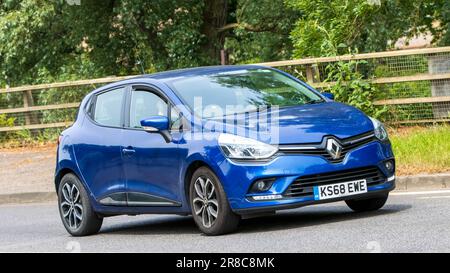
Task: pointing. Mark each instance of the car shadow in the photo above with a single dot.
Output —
(283, 220)
(154, 226)
(299, 218)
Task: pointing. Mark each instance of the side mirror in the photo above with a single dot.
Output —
(328, 95)
(157, 124)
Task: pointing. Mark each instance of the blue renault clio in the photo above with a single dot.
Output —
(219, 143)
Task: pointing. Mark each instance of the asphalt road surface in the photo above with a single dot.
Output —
(410, 222)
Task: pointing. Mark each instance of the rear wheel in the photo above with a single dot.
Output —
(371, 204)
(75, 210)
(209, 204)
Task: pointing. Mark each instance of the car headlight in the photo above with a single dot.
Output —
(379, 130)
(237, 147)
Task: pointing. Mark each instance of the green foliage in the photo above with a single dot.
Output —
(24, 135)
(351, 88)
(47, 41)
(262, 33)
(6, 121)
(434, 17)
(38, 45)
(330, 27)
(418, 89)
(443, 15)
(48, 135)
(412, 65)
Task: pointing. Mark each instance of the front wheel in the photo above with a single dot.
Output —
(371, 204)
(209, 204)
(75, 210)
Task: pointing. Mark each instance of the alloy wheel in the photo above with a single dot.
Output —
(205, 202)
(71, 206)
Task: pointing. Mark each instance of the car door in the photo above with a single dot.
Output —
(151, 165)
(99, 151)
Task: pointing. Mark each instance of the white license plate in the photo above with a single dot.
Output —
(340, 189)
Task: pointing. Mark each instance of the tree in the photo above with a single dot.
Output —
(46, 41)
(331, 27)
(52, 40)
(260, 31)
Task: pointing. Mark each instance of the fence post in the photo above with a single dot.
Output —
(312, 73)
(28, 102)
(309, 73)
(439, 64)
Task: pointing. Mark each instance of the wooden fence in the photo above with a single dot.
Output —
(413, 84)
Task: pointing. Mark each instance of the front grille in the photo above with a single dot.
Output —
(318, 149)
(303, 186)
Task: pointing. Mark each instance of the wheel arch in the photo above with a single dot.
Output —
(193, 166)
(60, 174)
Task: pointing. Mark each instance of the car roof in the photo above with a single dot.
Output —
(197, 71)
(171, 75)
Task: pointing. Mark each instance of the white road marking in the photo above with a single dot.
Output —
(420, 192)
(434, 197)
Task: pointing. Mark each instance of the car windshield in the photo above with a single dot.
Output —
(241, 91)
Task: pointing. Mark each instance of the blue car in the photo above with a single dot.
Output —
(219, 143)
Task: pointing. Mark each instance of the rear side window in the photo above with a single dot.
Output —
(108, 108)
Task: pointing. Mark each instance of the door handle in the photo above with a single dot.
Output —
(128, 151)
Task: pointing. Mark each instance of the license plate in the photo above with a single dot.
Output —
(340, 189)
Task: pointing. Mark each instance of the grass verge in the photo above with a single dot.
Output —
(421, 149)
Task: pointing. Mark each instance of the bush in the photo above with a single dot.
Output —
(351, 88)
(6, 122)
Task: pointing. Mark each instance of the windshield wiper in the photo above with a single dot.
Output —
(314, 101)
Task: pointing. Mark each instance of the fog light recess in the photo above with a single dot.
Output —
(390, 166)
(262, 185)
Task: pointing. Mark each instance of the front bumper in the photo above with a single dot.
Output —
(238, 177)
(379, 190)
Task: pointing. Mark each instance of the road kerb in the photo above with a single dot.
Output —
(423, 182)
(27, 197)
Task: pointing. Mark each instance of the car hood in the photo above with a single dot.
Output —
(299, 124)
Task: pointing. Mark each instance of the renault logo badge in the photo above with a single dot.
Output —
(334, 149)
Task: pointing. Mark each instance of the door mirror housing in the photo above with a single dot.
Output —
(157, 124)
(328, 95)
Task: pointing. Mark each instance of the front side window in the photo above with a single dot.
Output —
(145, 104)
(108, 108)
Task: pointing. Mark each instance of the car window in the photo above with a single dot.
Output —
(145, 104)
(175, 119)
(240, 91)
(108, 108)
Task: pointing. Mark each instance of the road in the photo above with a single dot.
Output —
(410, 222)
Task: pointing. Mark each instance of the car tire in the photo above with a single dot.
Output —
(209, 204)
(75, 209)
(371, 204)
